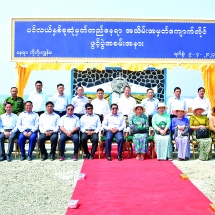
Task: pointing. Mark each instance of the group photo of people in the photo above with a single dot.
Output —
(59, 119)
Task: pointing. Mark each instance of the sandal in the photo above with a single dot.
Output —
(170, 159)
(138, 158)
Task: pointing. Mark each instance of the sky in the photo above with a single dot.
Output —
(170, 9)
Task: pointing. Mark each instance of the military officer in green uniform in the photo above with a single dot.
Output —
(17, 102)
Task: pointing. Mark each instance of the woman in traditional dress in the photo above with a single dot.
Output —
(180, 128)
(197, 120)
(212, 123)
(161, 125)
(140, 127)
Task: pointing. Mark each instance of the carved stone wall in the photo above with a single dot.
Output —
(147, 78)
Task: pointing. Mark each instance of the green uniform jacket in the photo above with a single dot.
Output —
(18, 104)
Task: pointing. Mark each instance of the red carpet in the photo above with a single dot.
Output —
(136, 187)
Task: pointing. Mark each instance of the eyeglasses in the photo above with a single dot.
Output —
(89, 108)
(114, 108)
(70, 109)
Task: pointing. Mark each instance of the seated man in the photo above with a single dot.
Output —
(48, 125)
(8, 131)
(69, 127)
(27, 124)
(90, 127)
(114, 124)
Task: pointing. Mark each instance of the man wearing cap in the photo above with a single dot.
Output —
(150, 104)
(114, 124)
(205, 102)
(16, 101)
(175, 101)
(90, 127)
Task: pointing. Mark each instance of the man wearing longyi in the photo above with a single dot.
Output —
(114, 125)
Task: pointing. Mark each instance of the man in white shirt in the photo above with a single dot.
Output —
(100, 105)
(79, 102)
(90, 127)
(69, 127)
(60, 101)
(8, 131)
(205, 102)
(27, 123)
(126, 103)
(150, 104)
(38, 98)
(114, 124)
(176, 101)
(48, 126)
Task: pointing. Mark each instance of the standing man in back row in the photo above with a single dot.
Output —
(38, 98)
(126, 103)
(205, 102)
(60, 101)
(176, 101)
(79, 102)
(150, 104)
(100, 105)
(16, 101)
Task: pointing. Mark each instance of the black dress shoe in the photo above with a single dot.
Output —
(44, 157)
(87, 156)
(52, 157)
(119, 158)
(91, 157)
(8, 158)
(2, 158)
(109, 159)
